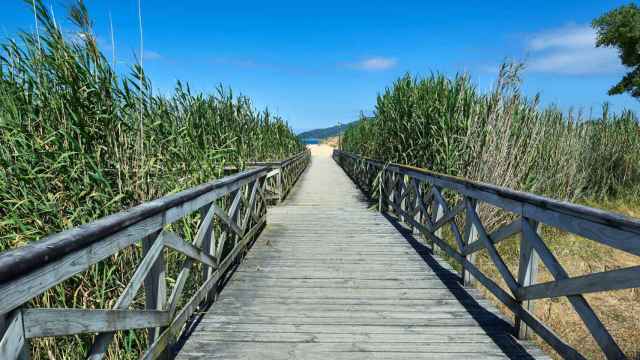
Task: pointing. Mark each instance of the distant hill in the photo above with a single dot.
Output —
(325, 132)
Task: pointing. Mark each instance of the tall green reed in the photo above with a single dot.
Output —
(73, 149)
(501, 137)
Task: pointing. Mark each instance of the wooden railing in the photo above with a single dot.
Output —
(418, 197)
(232, 214)
(284, 175)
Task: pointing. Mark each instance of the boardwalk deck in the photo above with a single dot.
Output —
(330, 279)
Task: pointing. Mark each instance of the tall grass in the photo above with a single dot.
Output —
(79, 141)
(502, 137)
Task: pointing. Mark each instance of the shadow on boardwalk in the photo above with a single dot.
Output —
(485, 318)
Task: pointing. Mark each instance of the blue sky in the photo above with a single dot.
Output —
(320, 63)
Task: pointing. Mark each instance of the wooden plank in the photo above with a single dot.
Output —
(102, 341)
(155, 287)
(604, 281)
(226, 219)
(51, 272)
(540, 328)
(176, 292)
(493, 253)
(16, 292)
(437, 213)
(63, 322)
(173, 241)
(207, 247)
(12, 343)
(527, 275)
(608, 228)
(580, 305)
(189, 308)
(407, 337)
(366, 289)
(250, 207)
(231, 214)
(352, 351)
(496, 236)
(470, 239)
(450, 216)
(210, 327)
(16, 262)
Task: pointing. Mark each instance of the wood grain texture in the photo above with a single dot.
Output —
(12, 343)
(47, 322)
(604, 227)
(330, 279)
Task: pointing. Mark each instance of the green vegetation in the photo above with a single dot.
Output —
(620, 28)
(78, 142)
(326, 132)
(503, 138)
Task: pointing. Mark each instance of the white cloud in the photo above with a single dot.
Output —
(570, 50)
(567, 37)
(151, 55)
(376, 64)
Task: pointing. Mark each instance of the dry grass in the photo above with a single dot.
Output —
(618, 310)
(504, 138)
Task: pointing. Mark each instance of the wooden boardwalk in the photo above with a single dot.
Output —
(330, 279)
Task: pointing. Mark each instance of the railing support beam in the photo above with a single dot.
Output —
(527, 275)
(470, 236)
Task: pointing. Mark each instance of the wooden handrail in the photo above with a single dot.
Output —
(415, 197)
(233, 211)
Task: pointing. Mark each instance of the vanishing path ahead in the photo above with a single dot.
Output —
(330, 279)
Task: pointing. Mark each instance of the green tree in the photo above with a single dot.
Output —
(620, 28)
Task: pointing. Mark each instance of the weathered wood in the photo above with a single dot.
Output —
(102, 341)
(20, 290)
(437, 213)
(604, 281)
(496, 236)
(16, 262)
(28, 271)
(540, 328)
(449, 217)
(12, 343)
(181, 318)
(493, 253)
(63, 322)
(176, 293)
(607, 228)
(327, 271)
(207, 247)
(250, 207)
(173, 241)
(470, 239)
(226, 219)
(606, 342)
(527, 275)
(155, 287)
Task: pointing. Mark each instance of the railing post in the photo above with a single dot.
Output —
(527, 274)
(279, 185)
(155, 288)
(13, 343)
(381, 204)
(208, 246)
(470, 236)
(437, 214)
(416, 207)
(402, 199)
